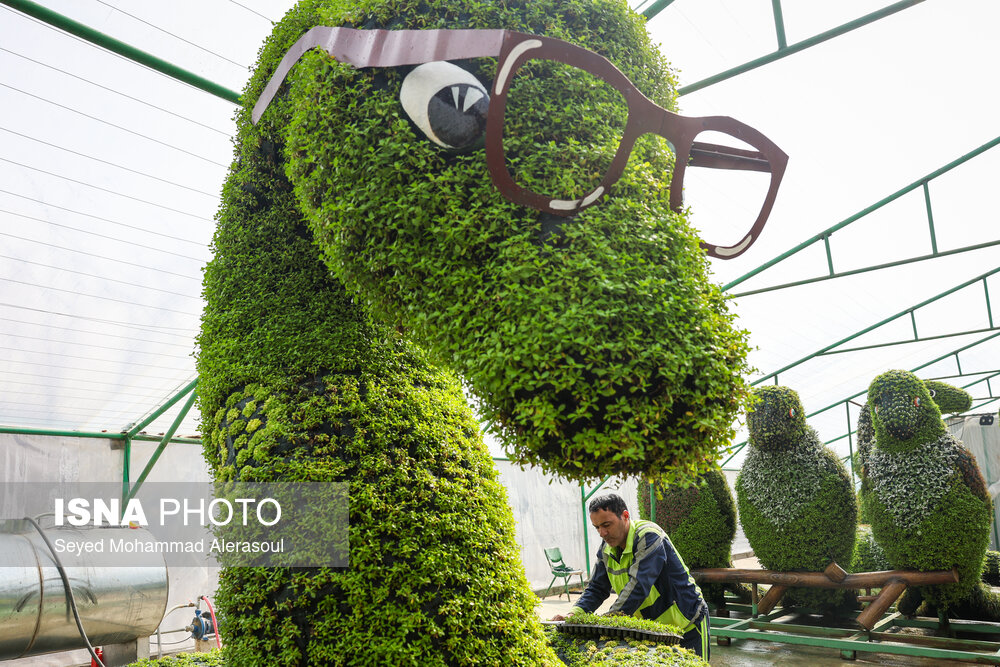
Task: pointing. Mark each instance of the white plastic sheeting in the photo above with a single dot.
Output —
(35, 458)
(981, 436)
(549, 513)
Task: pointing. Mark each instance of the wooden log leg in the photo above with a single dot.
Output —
(771, 598)
(890, 592)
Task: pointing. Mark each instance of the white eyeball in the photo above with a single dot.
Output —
(446, 102)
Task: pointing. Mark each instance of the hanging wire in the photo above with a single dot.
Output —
(102, 236)
(98, 296)
(103, 258)
(108, 220)
(110, 124)
(117, 92)
(252, 11)
(98, 347)
(85, 370)
(111, 192)
(62, 379)
(104, 334)
(60, 388)
(175, 36)
(148, 328)
(110, 164)
(81, 358)
(104, 278)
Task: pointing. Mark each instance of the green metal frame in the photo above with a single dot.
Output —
(784, 49)
(826, 234)
(881, 639)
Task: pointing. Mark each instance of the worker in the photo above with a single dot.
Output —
(637, 560)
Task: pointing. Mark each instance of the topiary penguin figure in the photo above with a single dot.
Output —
(948, 398)
(795, 496)
(700, 520)
(363, 255)
(925, 496)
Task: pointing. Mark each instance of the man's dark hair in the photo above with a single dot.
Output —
(611, 502)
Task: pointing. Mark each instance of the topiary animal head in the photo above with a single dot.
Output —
(902, 411)
(776, 421)
(949, 398)
(595, 343)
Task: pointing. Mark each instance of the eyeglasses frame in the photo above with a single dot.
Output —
(393, 48)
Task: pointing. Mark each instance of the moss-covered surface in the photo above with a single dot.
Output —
(925, 497)
(596, 345)
(868, 555)
(796, 501)
(701, 521)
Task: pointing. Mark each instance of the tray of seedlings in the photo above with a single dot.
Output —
(620, 627)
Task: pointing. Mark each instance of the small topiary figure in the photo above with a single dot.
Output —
(948, 398)
(796, 502)
(925, 495)
(700, 520)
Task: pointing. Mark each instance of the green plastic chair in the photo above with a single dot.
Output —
(560, 570)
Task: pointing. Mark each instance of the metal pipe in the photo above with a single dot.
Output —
(779, 24)
(55, 19)
(116, 604)
(163, 445)
(930, 217)
(163, 408)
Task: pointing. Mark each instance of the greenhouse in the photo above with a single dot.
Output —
(463, 332)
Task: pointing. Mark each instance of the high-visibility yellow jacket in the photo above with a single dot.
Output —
(649, 577)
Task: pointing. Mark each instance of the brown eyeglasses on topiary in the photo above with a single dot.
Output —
(393, 48)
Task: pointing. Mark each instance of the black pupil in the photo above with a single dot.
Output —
(457, 114)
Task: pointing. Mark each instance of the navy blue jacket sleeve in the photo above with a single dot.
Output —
(598, 588)
(682, 589)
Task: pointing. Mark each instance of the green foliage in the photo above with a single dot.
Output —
(700, 520)
(926, 498)
(596, 345)
(949, 399)
(581, 617)
(576, 652)
(991, 568)
(868, 555)
(211, 659)
(299, 384)
(795, 497)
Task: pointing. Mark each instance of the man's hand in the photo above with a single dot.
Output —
(558, 617)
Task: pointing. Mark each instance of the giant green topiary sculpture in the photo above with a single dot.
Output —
(595, 344)
(925, 495)
(701, 522)
(796, 501)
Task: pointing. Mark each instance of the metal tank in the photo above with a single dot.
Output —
(117, 603)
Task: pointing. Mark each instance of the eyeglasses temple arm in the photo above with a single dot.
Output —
(724, 157)
(382, 48)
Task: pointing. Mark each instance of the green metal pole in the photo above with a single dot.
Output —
(652, 502)
(86, 33)
(163, 408)
(850, 443)
(875, 326)
(779, 24)
(930, 217)
(656, 8)
(800, 46)
(163, 445)
(860, 214)
(989, 310)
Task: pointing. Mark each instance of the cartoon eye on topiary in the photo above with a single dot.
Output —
(796, 500)
(446, 103)
(924, 494)
(555, 273)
